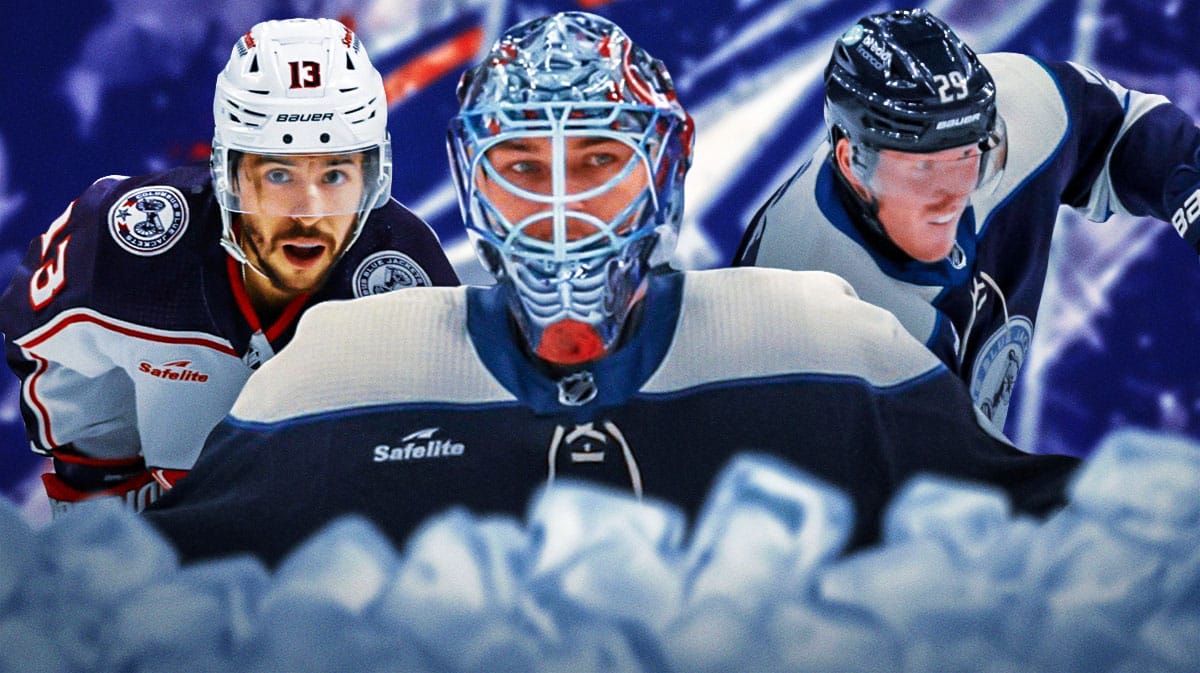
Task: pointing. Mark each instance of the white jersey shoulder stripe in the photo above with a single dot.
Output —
(81, 356)
(393, 348)
(1104, 200)
(1032, 105)
(754, 322)
(106, 178)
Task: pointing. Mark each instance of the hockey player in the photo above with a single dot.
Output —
(588, 358)
(938, 189)
(135, 319)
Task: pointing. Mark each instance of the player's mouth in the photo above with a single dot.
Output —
(303, 255)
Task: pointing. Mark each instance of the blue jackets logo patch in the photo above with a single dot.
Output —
(148, 220)
(388, 270)
(997, 366)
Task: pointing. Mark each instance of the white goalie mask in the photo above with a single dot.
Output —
(299, 88)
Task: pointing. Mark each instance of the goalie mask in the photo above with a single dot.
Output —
(302, 96)
(569, 154)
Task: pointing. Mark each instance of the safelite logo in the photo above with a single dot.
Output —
(417, 446)
(177, 370)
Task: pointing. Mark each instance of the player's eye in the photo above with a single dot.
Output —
(278, 176)
(335, 177)
(526, 168)
(600, 159)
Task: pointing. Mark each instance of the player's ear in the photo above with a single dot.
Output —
(843, 156)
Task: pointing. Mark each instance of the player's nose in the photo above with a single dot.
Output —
(310, 204)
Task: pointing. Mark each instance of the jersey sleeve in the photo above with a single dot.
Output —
(1139, 154)
(231, 500)
(72, 391)
(950, 437)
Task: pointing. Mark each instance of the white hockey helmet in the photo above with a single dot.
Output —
(300, 87)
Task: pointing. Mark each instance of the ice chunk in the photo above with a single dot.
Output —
(28, 646)
(822, 638)
(715, 634)
(595, 580)
(1173, 637)
(199, 619)
(103, 552)
(912, 587)
(311, 633)
(1145, 486)
(460, 593)
(319, 613)
(169, 621)
(1085, 587)
(348, 562)
(93, 558)
(583, 533)
(602, 646)
(238, 583)
(965, 518)
(763, 528)
(18, 554)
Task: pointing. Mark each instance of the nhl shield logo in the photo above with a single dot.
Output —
(996, 368)
(576, 390)
(148, 220)
(388, 270)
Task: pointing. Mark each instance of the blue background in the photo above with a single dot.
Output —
(123, 87)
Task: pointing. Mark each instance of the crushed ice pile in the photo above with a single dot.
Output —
(594, 581)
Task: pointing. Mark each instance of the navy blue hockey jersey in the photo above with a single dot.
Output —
(1075, 139)
(129, 325)
(429, 402)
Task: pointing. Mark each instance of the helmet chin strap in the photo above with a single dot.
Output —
(865, 215)
(234, 248)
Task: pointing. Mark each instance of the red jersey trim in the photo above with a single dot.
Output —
(87, 316)
(243, 301)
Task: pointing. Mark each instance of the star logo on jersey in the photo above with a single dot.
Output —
(148, 220)
(388, 270)
(997, 366)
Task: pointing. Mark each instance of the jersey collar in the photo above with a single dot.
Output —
(242, 296)
(617, 377)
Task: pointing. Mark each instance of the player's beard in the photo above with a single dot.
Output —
(290, 284)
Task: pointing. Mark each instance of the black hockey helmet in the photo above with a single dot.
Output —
(903, 80)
